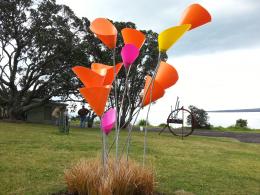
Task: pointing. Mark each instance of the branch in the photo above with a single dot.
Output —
(70, 100)
(4, 81)
(8, 55)
(2, 99)
(15, 64)
(33, 105)
(3, 71)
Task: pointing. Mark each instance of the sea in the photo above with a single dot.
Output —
(226, 119)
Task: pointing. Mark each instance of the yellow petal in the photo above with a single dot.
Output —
(169, 36)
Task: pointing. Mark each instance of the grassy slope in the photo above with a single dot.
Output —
(33, 157)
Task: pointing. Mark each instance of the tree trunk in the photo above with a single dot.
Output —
(126, 117)
(15, 114)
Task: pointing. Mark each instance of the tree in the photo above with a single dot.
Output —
(144, 64)
(39, 42)
(241, 123)
(200, 117)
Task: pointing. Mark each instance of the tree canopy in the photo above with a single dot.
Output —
(200, 117)
(40, 41)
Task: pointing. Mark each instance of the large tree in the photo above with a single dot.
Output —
(39, 42)
(144, 64)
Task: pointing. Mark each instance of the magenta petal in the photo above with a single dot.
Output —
(108, 120)
(129, 53)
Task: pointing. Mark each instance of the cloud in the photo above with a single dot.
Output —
(235, 23)
(218, 63)
(234, 26)
(223, 80)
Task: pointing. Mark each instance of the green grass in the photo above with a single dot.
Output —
(236, 129)
(33, 158)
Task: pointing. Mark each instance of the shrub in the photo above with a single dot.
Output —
(241, 123)
(142, 122)
(162, 125)
(89, 178)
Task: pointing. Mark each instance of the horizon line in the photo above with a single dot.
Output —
(237, 110)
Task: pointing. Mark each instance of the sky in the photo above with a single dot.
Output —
(218, 64)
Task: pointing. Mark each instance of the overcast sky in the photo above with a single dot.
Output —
(218, 64)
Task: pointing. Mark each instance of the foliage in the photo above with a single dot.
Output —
(143, 65)
(40, 38)
(129, 178)
(40, 41)
(241, 123)
(142, 122)
(162, 125)
(200, 117)
(236, 129)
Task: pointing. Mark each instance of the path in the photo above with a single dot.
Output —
(242, 137)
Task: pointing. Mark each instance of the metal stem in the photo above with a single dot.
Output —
(122, 102)
(182, 124)
(149, 107)
(116, 123)
(129, 137)
(103, 148)
(110, 148)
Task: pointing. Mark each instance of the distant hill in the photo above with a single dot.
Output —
(237, 110)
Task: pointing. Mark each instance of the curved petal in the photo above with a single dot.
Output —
(167, 75)
(157, 91)
(96, 97)
(129, 53)
(88, 77)
(105, 31)
(109, 77)
(133, 36)
(169, 36)
(196, 15)
(108, 120)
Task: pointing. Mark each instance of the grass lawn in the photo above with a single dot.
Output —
(236, 129)
(33, 158)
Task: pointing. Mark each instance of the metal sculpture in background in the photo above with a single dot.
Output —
(177, 121)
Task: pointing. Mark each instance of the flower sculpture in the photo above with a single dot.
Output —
(99, 79)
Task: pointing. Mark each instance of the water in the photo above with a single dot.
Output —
(226, 119)
(159, 115)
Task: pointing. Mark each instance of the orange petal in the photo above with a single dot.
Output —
(167, 75)
(157, 91)
(133, 36)
(105, 31)
(109, 77)
(88, 77)
(196, 15)
(96, 97)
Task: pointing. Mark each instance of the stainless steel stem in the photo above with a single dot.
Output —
(149, 107)
(115, 86)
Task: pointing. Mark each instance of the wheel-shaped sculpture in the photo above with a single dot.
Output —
(177, 122)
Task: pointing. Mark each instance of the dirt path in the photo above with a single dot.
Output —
(243, 137)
